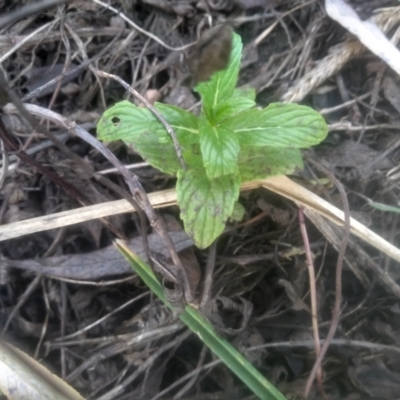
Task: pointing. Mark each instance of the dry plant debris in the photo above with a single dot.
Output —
(98, 325)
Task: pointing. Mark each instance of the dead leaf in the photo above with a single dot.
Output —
(211, 53)
(228, 316)
(181, 96)
(100, 264)
(278, 215)
(298, 303)
(351, 154)
(192, 267)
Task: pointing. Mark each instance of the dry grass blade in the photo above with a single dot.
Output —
(367, 32)
(279, 184)
(338, 56)
(23, 377)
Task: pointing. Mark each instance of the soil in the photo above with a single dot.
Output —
(68, 298)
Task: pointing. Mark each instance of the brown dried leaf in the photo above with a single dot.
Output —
(351, 154)
(211, 53)
(99, 264)
(229, 316)
(298, 303)
(181, 96)
(278, 215)
(192, 267)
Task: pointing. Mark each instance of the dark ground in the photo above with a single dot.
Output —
(259, 261)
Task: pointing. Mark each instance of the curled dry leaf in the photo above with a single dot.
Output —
(211, 54)
(298, 303)
(228, 316)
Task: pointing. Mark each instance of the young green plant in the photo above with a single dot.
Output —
(232, 141)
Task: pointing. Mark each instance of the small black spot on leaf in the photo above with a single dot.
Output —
(115, 120)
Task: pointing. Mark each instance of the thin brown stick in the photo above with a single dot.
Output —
(52, 176)
(25, 39)
(32, 286)
(336, 342)
(208, 280)
(193, 379)
(166, 125)
(102, 319)
(339, 267)
(141, 30)
(4, 165)
(45, 324)
(72, 71)
(133, 183)
(118, 389)
(192, 374)
(108, 183)
(68, 188)
(313, 293)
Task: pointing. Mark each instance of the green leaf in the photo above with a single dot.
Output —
(248, 92)
(279, 125)
(185, 126)
(192, 318)
(184, 123)
(222, 84)
(384, 207)
(125, 121)
(219, 148)
(192, 156)
(238, 212)
(262, 162)
(205, 204)
(156, 147)
(140, 129)
(231, 107)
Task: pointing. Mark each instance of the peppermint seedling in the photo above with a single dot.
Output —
(231, 142)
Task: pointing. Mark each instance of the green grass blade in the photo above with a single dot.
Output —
(253, 379)
(384, 207)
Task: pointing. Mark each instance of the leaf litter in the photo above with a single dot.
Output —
(259, 262)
